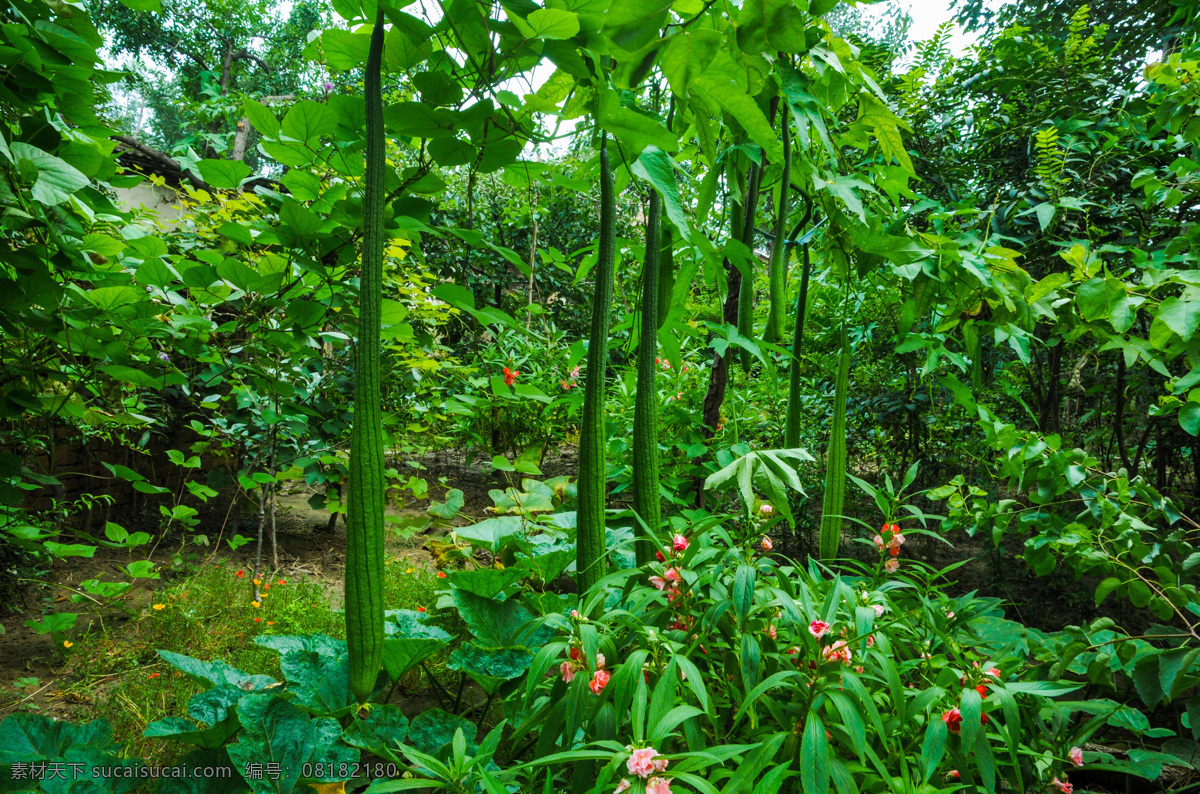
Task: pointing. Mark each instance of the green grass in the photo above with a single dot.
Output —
(115, 672)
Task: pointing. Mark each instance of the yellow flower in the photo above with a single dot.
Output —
(411, 570)
(256, 604)
(160, 606)
(258, 581)
(67, 643)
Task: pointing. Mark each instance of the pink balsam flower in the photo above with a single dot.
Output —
(622, 786)
(599, 680)
(767, 545)
(838, 652)
(644, 762)
(679, 543)
(818, 628)
(658, 785)
(1076, 756)
(892, 565)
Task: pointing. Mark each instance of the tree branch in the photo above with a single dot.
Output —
(167, 163)
(246, 55)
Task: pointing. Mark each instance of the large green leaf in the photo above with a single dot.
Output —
(225, 779)
(686, 56)
(886, 126)
(1175, 315)
(223, 174)
(221, 777)
(933, 747)
(497, 624)
(632, 24)
(215, 709)
(438, 88)
(344, 49)
(28, 737)
(433, 729)
(308, 120)
(34, 738)
(806, 109)
(401, 654)
(814, 755)
(409, 640)
(658, 169)
(298, 219)
(318, 643)
(261, 118)
(548, 23)
(215, 673)
(773, 469)
(771, 26)
(290, 154)
(492, 533)
(320, 682)
(412, 624)
(719, 89)
(276, 732)
(486, 583)
(382, 727)
(418, 120)
(634, 129)
(402, 50)
(56, 180)
(490, 667)
(110, 299)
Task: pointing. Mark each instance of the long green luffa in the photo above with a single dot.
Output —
(590, 546)
(791, 433)
(645, 410)
(835, 473)
(777, 269)
(364, 514)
